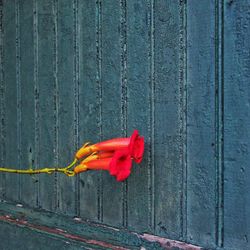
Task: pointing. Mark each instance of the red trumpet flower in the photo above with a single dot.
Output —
(119, 165)
(102, 164)
(114, 155)
(135, 145)
(94, 162)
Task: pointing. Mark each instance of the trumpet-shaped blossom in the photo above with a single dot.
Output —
(101, 164)
(80, 168)
(135, 145)
(120, 165)
(99, 155)
(114, 155)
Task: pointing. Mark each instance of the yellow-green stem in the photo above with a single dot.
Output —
(65, 170)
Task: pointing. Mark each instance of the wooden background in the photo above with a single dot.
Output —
(74, 71)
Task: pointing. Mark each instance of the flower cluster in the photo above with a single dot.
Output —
(113, 155)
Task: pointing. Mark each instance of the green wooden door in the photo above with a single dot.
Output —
(73, 71)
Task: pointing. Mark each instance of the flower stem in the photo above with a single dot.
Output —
(65, 170)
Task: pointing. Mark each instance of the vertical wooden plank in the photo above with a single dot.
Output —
(28, 184)
(76, 9)
(183, 112)
(10, 81)
(66, 100)
(124, 97)
(36, 93)
(88, 104)
(236, 124)
(167, 153)
(201, 163)
(2, 104)
(138, 91)
(219, 120)
(151, 139)
(111, 107)
(46, 101)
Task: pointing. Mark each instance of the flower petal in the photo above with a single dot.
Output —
(136, 146)
(121, 164)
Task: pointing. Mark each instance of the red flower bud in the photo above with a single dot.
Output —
(100, 155)
(80, 168)
(101, 164)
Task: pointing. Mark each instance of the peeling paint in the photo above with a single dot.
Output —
(169, 244)
(58, 231)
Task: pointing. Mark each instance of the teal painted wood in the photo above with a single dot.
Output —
(28, 186)
(12, 91)
(74, 232)
(167, 123)
(111, 110)
(201, 124)
(29, 239)
(77, 71)
(66, 103)
(89, 104)
(236, 76)
(47, 107)
(139, 84)
(2, 106)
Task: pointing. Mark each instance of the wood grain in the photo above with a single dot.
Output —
(29, 185)
(201, 130)
(89, 104)
(11, 97)
(236, 124)
(73, 71)
(66, 103)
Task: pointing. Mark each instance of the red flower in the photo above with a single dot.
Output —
(101, 164)
(99, 155)
(120, 165)
(135, 145)
(114, 155)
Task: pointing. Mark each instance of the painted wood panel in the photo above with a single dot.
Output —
(66, 102)
(47, 108)
(28, 185)
(74, 71)
(167, 123)
(11, 67)
(88, 111)
(236, 77)
(112, 115)
(139, 85)
(201, 123)
(2, 106)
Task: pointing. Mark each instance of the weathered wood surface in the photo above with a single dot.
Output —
(11, 86)
(89, 105)
(73, 71)
(111, 114)
(33, 227)
(138, 40)
(28, 85)
(237, 124)
(201, 123)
